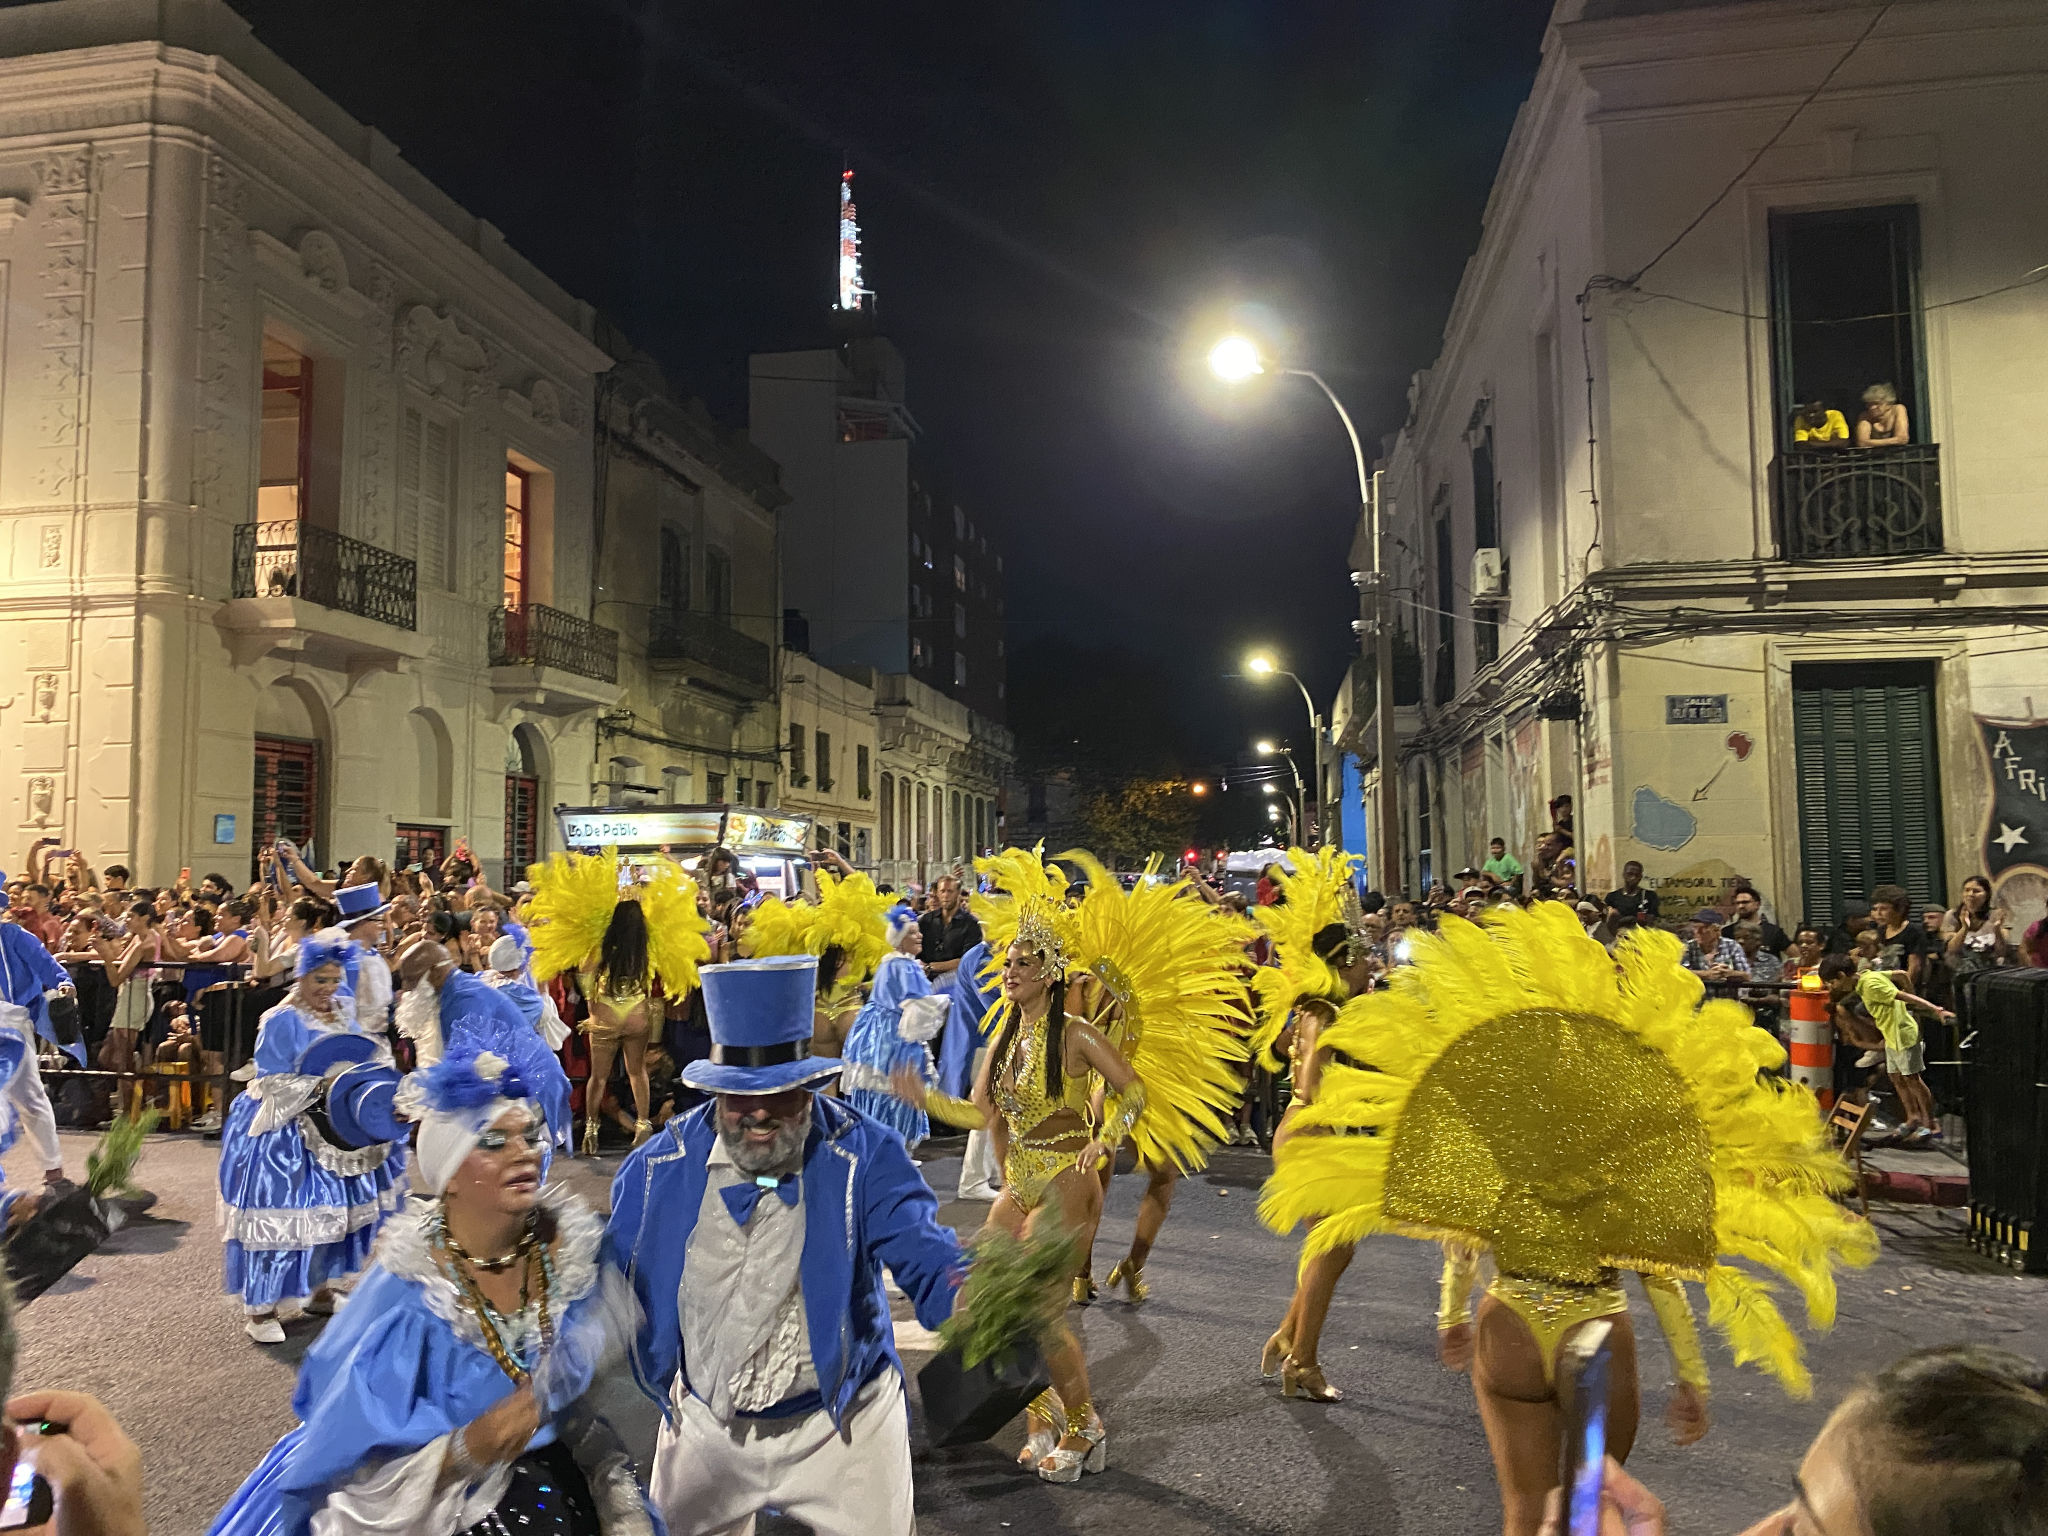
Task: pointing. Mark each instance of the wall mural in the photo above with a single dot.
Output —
(2014, 843)
(1656, 822)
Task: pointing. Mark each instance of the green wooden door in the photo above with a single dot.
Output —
(1869, 785)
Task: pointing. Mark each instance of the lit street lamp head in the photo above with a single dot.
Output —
(1271, 790)
(1264, 748)
(1236, 358)
(1261, 664)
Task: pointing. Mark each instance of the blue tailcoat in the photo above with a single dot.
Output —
(962, 1034)
(864, 1205)
(31, 971)
(476, 1013)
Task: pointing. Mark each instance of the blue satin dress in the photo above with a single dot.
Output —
(405, 1364)
(875, 1048)
(296, 1211)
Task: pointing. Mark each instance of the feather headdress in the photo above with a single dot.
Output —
(1576, 1116)
(1315, 895)
(849, 912)
(1030, 902)
(574, 895)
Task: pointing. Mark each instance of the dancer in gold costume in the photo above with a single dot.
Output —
(1058, 1096)
(1520, 1092)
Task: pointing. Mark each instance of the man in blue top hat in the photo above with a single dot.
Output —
(362, 909)
(754, 1231)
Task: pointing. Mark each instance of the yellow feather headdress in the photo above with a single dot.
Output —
(574, 895)
(849, 912)
(1030, 898)
(1575, 1115)
(1316, 897)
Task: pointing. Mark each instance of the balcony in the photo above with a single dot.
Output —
(1859, 503)
(552, 662)
(737, 664)
(309, 590)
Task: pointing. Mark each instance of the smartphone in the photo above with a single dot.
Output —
(30, 1501)
(1584, 1366)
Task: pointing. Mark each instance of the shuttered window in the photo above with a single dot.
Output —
(1869, 786)
(426, 472)
(522, 829)
(286, 800)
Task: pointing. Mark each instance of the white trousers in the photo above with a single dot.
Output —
(978, 1170)
(32, 1103)
(712, 1479)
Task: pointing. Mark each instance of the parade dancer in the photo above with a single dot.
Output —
(1058, 1097)
(894, 1033)
(1576, 1115)
(974, 990)
(443, 1008)
(754, 1230)
(850, 928)
(626, 939)
(449, 1396)
(298, 1213)
(508, 971)
(30, 979)
(362, 909)
(1323, 961)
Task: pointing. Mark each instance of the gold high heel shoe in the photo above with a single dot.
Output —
(1132, 1278)
(1084, 1290)
(1045, 1417)
(1275, 1354)
(1064, 1466)
(1307, 1382)
(590, 1135)
(642, 1129)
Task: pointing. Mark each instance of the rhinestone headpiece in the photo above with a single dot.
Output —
(1038, 927)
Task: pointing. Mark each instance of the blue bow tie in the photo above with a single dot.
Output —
(741, 1199)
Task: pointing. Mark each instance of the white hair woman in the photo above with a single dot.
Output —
(448, 1396)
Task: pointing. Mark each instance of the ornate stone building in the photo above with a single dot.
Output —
(295, 470)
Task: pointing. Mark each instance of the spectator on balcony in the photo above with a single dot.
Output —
(1501, 867)
(32, 911)
(1816, 425)
(1883, 423)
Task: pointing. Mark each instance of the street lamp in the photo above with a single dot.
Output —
(1259, 664)
(1273, 749)
(1236, 359)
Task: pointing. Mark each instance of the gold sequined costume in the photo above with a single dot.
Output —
(1520, 1090)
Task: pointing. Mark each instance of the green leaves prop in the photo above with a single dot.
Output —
(1016, 1290)
(110, 1166)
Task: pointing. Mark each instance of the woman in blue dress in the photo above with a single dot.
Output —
(298, 1213)
(446, 1398)
(894, 1032)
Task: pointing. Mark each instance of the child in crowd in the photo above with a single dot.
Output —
(1904, 1056)
(1868, 950)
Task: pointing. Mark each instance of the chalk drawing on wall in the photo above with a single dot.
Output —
(1660, 823)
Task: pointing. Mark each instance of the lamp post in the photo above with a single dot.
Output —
(1261, 665)
(1274, 749)
(1236, 359)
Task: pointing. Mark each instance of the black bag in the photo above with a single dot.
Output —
(43, 1249)
(63, 1010)
(964, 1406)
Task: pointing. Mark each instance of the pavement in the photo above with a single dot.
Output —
(1198, 1444)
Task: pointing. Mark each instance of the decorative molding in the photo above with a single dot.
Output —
(435, 352)
(321, 260)
(44, 697)
(12, 211)
(541, 404)
(220, 452)
(316, 264)
(41, 799)
(65, 176)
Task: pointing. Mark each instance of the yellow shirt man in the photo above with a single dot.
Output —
(1829, 428)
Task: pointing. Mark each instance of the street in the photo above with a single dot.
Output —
(1197, 1442)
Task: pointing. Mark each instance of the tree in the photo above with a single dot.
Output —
(1130, 821)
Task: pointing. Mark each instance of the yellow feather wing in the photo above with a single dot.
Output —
(1314, 895)
(676, 942)
(573, 897)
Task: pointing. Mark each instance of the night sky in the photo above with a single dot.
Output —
(1057, 200)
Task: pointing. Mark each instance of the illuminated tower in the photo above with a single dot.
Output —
(852, 296)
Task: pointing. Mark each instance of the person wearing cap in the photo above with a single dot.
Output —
(1715, 957)
(508, 968)
(1593, 918)
(442, 1007)
(31, 980)
(298, 1213)
(450, 1395)
(754, 1230)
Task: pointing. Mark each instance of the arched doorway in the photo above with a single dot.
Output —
(291, 741)
(523, 801)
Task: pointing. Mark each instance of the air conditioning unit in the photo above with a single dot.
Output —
(1489, 576)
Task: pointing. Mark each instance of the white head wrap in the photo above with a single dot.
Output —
(507, 956)
(455, 1101)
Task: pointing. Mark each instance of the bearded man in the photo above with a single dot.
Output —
(443, 1006)
(753, 1231)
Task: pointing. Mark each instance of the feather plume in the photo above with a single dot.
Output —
(676, 929)
(849, 912)
(1314, 898)
(573, 897)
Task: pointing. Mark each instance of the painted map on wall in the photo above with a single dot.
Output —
(2016, 829)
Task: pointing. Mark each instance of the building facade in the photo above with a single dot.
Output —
(832, 755)
(686, 558)
(295, 468)
(940, 793)
(1741, 651)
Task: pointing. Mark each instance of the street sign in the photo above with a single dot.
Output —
(1695, 709)
(224, 828)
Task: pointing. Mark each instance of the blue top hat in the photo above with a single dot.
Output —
(361, 1108)
(357, 902)
(762, 1015)
(338, 1049)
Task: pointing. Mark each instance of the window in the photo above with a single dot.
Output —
(916, 601)
(522, 824)
(714, 788)
(916, 652)
(718, 583)
(1485, 535)
(960, 573)
(672, 591)
(797, 776)
(286, 453)
(419, 845)
(960, 620)
(1828, 270)
(1446, 635)
(286, 801)
(959, 670)
(845, 839)
(743, 791)
(761, 795)
(959, 525)
(822, 741)
(861, 786)
(426, 497)
(518, 526)
(888, 812)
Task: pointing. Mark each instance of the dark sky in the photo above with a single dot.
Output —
(1057, 196)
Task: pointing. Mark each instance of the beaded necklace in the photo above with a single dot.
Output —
(538, 1268)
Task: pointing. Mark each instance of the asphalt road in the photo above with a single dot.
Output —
(1198, 1444)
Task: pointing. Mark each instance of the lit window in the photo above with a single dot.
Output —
(287, 446)
(518, 526)
(959, 573)
(959, 670)
(916, 652)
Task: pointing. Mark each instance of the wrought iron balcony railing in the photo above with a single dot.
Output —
(1851, 503)
(299, 559)
(534, 636)
(677, 635)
